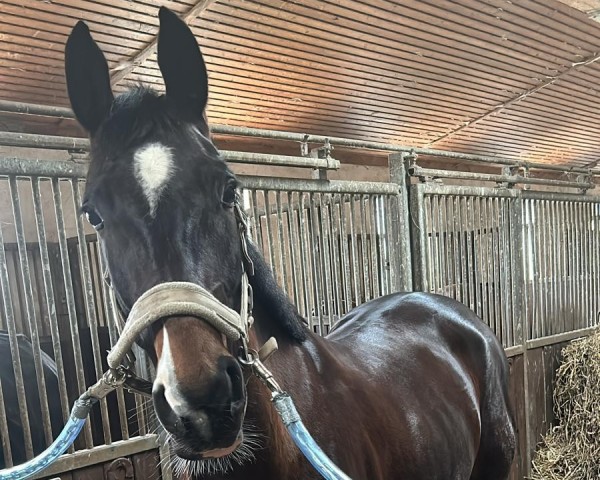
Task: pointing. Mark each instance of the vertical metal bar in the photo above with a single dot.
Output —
(365, 249)
(494, 268)
(563, 278)
(572, 249)
(325, 225)
(282, 247)
(30, 311)
(456, 247)
(432, 209)
(316, 250)
(594, 229)
(374, 250)
(49, 295)
(304, 257)
(325, 263)
(419, 238)
(336, 249)
(587, 284)
(404, 230)
(354, 248)
(514, 230)
(556, 266)
(293, 246)
(345, 253)
(270, 246)
(70, 298)
(258, 238)
(113, 335)
(4, 435)
(396, 275)
(528, 304)
(509, 212)
(471, 251)
(483, 241)
(542, 224)
(14, 347)
(90, 308)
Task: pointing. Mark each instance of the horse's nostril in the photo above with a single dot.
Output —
(165, 413)
(234, 372)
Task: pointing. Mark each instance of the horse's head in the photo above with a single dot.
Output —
(162, 201)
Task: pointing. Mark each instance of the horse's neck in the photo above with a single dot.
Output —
(290, 366)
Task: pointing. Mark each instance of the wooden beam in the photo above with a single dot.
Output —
(129, 65)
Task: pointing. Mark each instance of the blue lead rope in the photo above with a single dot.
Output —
(304, 441)
(64, 440)
(283, 404)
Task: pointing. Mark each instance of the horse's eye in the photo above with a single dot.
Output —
(93, 218)
(229, 194)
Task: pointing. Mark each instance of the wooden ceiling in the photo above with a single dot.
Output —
(515, 78)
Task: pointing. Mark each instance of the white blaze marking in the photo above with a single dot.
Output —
(165, 375)
(153, 166)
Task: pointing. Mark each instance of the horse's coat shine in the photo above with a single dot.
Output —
(153, 167)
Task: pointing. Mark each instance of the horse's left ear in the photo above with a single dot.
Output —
(181, 64)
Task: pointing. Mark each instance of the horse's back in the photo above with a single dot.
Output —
(449, 373)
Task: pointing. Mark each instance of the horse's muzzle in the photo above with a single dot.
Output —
(206, 418)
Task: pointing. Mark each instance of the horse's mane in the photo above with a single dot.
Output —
(271, 296)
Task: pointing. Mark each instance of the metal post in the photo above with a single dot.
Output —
(401, 267)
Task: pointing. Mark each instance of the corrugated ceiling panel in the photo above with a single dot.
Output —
(406, 72)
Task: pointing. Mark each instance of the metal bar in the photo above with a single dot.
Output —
(279, 160)
(419, 238)
(49, 295)
(365, 249)
(27, 108)
(433, 209)
(90, 308)
(318, 284)
(345, 254)
(488, 177)
(4, 435)
(334, 236)
(316, 186)
(496, 266)
(29, 308)
(44, 168)
(354, 251)
(14, 347)
(258, 238)
(374, 248)
(469, 215)
(70, 299)
(458, 249)
(270, 245)
(100, 454)
(326, 265)
(401, 269)
(282, 247)
(293, 242)
(113, 335)
(305, 256)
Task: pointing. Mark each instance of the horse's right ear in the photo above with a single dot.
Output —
(88, 80)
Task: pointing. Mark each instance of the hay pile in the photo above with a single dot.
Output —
(571, 451)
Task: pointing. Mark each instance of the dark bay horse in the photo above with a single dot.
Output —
(409, 386)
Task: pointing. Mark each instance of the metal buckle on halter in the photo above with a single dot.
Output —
(243, 227)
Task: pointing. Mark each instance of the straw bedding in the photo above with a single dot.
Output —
(571, 450)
